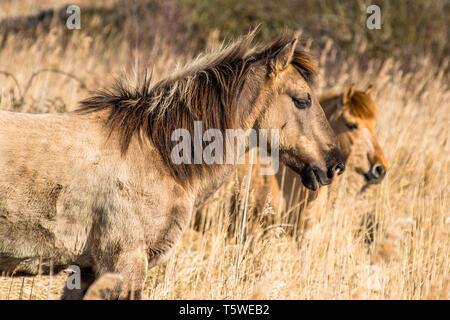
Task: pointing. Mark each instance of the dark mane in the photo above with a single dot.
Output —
(206, 90)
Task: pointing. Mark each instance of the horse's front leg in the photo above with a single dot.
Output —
(170, 232)
(123, 270)
(122, 277)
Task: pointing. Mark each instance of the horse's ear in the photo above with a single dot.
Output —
(280, 60)
(348, 93)
(368, 90)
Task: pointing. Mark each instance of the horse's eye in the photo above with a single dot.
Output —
(352, 126)
(302, 103)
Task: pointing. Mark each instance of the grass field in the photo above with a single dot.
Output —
(409, 257)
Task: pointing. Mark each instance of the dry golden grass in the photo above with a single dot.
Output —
(409, 257)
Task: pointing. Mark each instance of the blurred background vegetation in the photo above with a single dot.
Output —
(410, 28)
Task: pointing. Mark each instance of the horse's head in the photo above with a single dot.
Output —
(352, 116)
(307, 144)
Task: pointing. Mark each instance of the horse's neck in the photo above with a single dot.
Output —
(209, 185)
(330, 106)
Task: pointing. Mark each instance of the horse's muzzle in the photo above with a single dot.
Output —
(312, 176)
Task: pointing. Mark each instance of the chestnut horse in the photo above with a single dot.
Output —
(98, 188)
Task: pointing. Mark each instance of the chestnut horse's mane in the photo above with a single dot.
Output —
(361, 104)
(206, 90)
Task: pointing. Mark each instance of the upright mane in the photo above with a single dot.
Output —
(205, 90)
(361, 104)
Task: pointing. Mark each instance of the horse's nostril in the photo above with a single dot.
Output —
(337, 166)
(341, 167)
(378, 171)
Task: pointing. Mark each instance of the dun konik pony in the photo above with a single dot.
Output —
(98, 188)
(352, 115)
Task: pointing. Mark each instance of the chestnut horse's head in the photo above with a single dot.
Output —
(352, 116)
